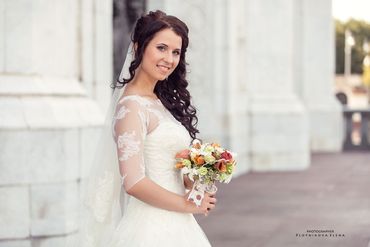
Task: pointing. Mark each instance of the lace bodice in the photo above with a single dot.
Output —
(147, 137)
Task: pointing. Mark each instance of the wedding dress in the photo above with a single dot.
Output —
(147, 138)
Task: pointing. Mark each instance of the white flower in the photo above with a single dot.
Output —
(196, 141)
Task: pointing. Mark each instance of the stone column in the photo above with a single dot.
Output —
(52, 58)
(279, 138)
(215, 71)
(317, 75)
(234, 83)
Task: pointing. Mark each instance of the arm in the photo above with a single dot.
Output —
(130, 133)
(151, 193)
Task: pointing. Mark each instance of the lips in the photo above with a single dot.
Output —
(163, 69)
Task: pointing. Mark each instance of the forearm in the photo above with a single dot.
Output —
(151, 193)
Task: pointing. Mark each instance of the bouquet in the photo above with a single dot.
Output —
(205, 164)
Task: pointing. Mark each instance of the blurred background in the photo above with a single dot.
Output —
(284, 83)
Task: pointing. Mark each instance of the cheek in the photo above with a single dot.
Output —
(176, 62)
(148, 63)
(150, 57)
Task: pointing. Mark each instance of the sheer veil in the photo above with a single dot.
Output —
(103, 199)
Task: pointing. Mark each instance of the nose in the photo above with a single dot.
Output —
(169, 58)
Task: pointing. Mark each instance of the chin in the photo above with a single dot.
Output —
(161, 78)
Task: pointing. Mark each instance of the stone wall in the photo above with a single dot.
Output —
(54, 68)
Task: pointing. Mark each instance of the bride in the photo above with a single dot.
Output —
(153, 119)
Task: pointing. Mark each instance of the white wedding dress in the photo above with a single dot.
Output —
(147, 138)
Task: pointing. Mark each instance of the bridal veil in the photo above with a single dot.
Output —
(103, 198)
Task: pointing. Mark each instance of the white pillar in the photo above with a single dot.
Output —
(234, 84)
(317, 78)
(278, 119)
(47, 121)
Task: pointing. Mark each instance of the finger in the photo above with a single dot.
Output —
(210, 201)
(209, 198)
(213, 193)
(213, 200)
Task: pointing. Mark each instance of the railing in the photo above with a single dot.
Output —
(356, 129)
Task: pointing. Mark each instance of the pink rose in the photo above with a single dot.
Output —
(226, 155)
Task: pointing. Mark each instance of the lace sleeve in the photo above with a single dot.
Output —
(129, 131)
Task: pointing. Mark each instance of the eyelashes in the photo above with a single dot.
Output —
(164, 48)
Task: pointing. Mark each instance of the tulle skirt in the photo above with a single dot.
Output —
(146, 226)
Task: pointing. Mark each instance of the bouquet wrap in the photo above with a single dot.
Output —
(196, 194)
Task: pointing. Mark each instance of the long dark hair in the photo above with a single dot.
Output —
(172, 91)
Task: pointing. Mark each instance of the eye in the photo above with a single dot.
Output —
(161, 48)
(177, 53)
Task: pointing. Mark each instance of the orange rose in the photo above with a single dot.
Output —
(184, 154)
(199, 160)
(220, 165)
(179, 165)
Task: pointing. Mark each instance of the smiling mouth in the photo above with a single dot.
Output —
(163, 68)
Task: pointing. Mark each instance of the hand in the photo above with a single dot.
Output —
(208, 203)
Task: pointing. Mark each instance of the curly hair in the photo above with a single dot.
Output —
(172, 91)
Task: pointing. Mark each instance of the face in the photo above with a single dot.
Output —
(162, 55)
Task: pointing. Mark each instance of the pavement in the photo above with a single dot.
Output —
(286, 209)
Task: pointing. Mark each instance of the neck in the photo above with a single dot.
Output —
(144, 83)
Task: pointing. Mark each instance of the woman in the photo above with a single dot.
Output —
(153, 120)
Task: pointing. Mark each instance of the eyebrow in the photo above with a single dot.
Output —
(176, 49)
